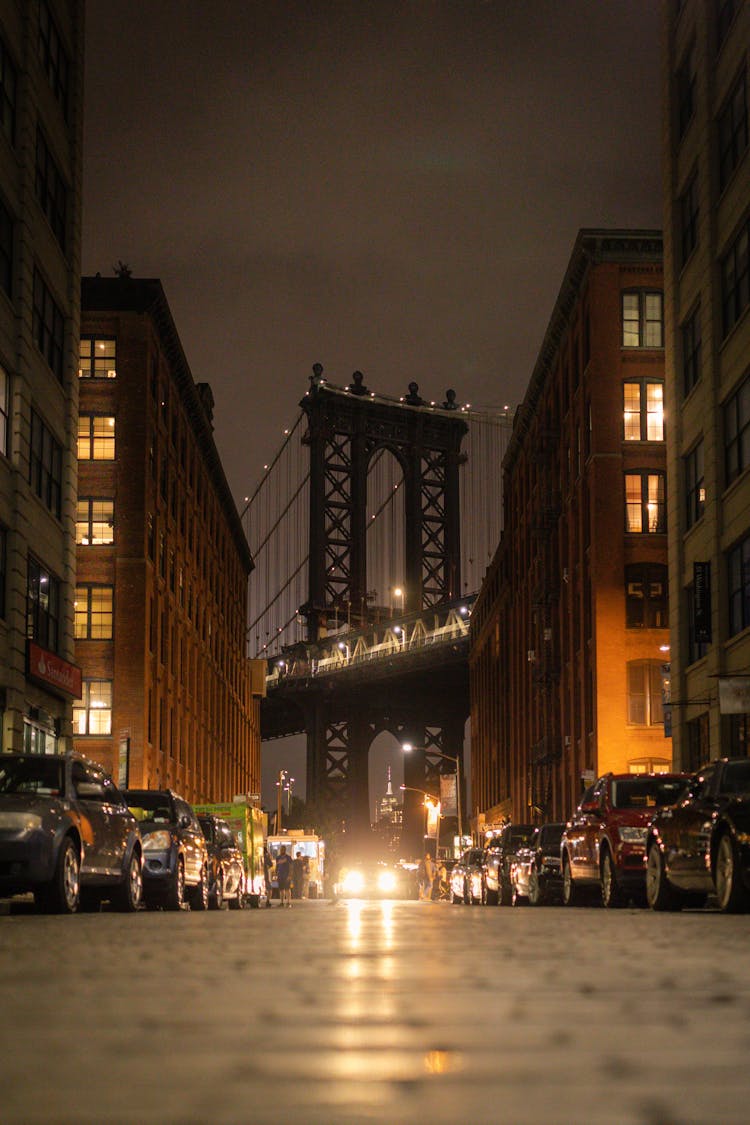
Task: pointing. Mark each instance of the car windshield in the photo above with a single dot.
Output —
(551, 836)
(736, 777)
(207, 828)
(150, 806)
(42, 776)
(521, 835)
(647, 792)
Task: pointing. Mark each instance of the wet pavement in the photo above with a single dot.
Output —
(376, 1012)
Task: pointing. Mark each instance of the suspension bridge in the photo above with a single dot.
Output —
(371, 529)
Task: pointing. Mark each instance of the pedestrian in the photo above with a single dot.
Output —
(427, 874)
(267, 865)
(284, 876)
(298, 871)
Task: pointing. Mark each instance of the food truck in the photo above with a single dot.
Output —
(249, 825)
(313, 849)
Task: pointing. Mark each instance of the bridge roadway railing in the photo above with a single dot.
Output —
(399, 637)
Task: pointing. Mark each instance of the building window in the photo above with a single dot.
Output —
(695, 485)
(645, 707)
(3, 566)
(6, 250)
(98, 358)
(738, 736)
(4, 407)
(735, 292)
(643, 410)
(725, 10)
(92, 714)
(696, 650)
(94, 615)
(689, 218)
(737, 432)
(53, 57)
(96, 437)
(7, 94)
(698, 752)
(45, 465)
(50, 189)
(646, 596)
(642, 319)
(738, 579)
(150, 535)
(691, 351)
(645, 502)
(732, 129)
(42, 606)
(686, 91)
(95, 521)
(48, 326)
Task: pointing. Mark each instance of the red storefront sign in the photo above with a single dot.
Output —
(54, 672)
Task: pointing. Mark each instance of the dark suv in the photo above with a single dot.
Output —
(604, 843)
(175, 859)
(501, 848)
(66, 834)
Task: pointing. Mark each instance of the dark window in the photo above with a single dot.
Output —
(97, 358)
(735, 292)
(689, 218)
(7, 94)
(646, 596)
(4, 408)
(686, 91)
(42, 606)
(643, 410)
(6, 250)
(50, 189)
(738, 581)
(645, 502)
(691, 351)
(48, 325)
(738, 736)
(3, 566)
(642, 319)
(732, 129)
(698, 752)
(695, 485)
(696, 650)
(725, 10)
(53, 56)
(737, 432)
(45, 465)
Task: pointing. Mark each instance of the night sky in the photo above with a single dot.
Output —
(391, 187)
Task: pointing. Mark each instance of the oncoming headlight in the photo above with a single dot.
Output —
(353, 882)
(157, 842)
(386, 881)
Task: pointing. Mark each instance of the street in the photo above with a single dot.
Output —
(375, 1012)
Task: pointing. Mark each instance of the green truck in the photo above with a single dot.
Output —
(249, 825)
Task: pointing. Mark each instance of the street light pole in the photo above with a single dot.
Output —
(279, 798)
(407, 747)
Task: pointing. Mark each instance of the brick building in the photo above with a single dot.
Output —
(707, 299)
(41, 112)
(163, 563)
(570, 626)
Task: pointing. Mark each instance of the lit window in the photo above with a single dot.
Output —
(96, 437)
(640, 424)
(95, 522)
(642, 319)
(645, 704)
(97, 358)
(93, 613)
(92, 714)
(645, 502)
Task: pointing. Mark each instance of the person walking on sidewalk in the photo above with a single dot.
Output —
(427, 876)
(284, 876)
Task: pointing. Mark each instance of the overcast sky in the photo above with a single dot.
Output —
(386, 186)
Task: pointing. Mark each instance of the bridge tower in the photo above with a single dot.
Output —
(345, 429)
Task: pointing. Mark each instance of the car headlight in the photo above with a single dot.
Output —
(386, 881)
(630, 835)
(157, 841)
(20, 821)
(353, 882)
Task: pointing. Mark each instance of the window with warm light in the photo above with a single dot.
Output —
(645, 706)
(95, 520)
(93, 613)
(92, 714)
(642, 319)
(643, 410)
(96, 437)
(645, 502)
(98, 358)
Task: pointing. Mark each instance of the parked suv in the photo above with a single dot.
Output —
(175, 858)
(66, 834)
(501, 849)
(226, 870)
(604, 843)
(535, 872)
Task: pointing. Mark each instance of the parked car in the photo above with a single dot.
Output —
(226, 869)
(466, 878)
(501, 849)
(701, 845)
(535, 873)
(175, 857)
(66, 834)
(603, 846)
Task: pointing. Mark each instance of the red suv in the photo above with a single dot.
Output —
(604, 842)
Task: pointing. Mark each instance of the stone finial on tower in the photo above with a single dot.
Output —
(413, 399)
(316, 376)
(450, 400)
(357, 387)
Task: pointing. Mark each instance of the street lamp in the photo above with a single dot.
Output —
(431, 803)
(400, 593)
(407, 748)
(279, 797)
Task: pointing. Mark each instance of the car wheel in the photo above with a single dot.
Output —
(455, 899)
(217, 898)
(127, 897)
(612, 896)
(659, 894)
(484, 893)
(176, 893)
(61, 894)
(492, 897)
(730, 893)
(570, 893)
(199, 894)
(536, 894)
